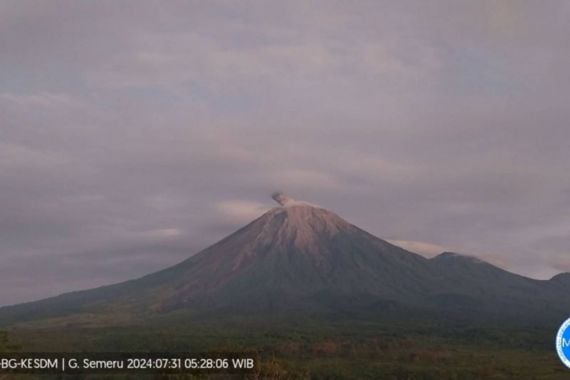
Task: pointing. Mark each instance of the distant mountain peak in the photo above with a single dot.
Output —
(562, 277)
(302, 257)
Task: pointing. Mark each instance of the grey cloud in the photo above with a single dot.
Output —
(442, 123)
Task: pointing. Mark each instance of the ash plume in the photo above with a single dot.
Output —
(281, 198)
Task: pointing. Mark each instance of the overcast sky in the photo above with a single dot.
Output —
(135, 133)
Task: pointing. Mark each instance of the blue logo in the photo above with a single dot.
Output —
(563, 343)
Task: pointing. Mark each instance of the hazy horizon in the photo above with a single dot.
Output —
(134, 134)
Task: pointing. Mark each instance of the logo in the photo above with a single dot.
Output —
(563, 343)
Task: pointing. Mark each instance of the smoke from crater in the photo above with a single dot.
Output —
(281, 198)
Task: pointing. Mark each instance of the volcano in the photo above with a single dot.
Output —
(302, 258)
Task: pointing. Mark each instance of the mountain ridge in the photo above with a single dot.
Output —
(302, 257)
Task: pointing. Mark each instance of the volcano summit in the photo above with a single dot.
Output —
(301, 258)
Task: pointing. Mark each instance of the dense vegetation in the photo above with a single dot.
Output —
(5, 344)
(332, 350)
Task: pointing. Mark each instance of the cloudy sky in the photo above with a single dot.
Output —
(135, 133)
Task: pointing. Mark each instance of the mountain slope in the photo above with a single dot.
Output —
(301, 257)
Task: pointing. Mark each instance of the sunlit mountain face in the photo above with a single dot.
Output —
(302, 259)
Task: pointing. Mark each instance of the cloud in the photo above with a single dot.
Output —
(142, 132)
(237, 211)
(560, 262)
(423, 248)
(162, 233)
